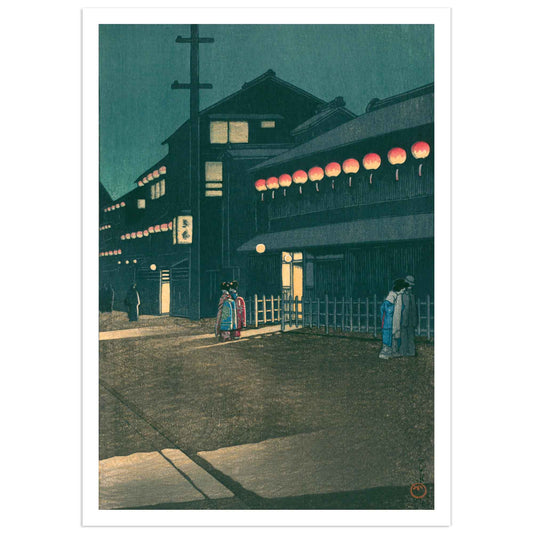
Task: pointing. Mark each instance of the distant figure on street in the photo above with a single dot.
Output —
(132, 302)
(240, 309)
(390, 320)
(107, 297)
(409, 319)
(110, 297)
(226, 314)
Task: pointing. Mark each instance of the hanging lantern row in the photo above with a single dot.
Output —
(396, 156)
(158, 228)
(115, 206)
(111, 252)
(106, 226)
(152, 176)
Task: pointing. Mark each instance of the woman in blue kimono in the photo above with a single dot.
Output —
(390, 325)
(226, 315)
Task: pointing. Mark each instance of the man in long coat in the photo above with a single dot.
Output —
(409, 320)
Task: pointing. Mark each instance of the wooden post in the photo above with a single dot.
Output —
(296, 300)
(375, 316)
(272, 308)
(367, 317)
(343, 313)
(256, 311)
(279, 309)
(282, 312)
(318, 312)
(351, 313)
(264, 309)
(428, 304)
(335, 314)
(327, 315)
(358, 314)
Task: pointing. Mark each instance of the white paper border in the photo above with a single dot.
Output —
(91, 515)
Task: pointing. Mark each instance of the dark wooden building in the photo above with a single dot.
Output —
(349, 234)
(151, 227)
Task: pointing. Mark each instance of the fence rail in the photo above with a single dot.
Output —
(359, 315)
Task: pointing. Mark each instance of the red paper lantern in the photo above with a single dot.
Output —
(396, 157)
(145, 179)
(164, 227)
(260, 185)
(113, 208)
(285, 181)
(162, 170)
(157, 228)
(332, 169)
(272, 184)
(170, 225)
(119, 251)
(371, 162)
(155, 174)
(420, 150)
(117, 206)
(139, 234)
(140, 183)
(151, 229)
(350, 166)
(133, 235)
(122, 204)
(150, 176)
(145, 233)
(316, 174)
(300, 177)
(115, 252)
(122, 237)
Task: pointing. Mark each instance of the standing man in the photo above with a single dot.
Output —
(132, 303)
(409, 319)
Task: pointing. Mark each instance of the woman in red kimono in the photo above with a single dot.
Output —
(240, 308)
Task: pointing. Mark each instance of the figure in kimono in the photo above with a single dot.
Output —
(240, 309)
(226, 316)
(391, 319)
(132, 302)
(409, 319)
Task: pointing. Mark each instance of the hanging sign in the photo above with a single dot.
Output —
(184, 230)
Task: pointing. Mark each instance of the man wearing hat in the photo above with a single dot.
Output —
(409, 320)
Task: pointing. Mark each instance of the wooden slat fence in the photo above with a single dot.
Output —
(359, 315)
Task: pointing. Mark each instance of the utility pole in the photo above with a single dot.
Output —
(195, 190)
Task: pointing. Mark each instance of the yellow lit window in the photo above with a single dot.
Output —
(238, 132)
(141, 203)
(268, 123)
(162, 186)
(219, 132)
(213, 171)
(213, 193)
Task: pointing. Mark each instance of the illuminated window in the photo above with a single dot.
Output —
(238, 132)
(157, 190)
(235, 132)
(219, 132)
(141, 203)
(268, 123)
(213, 178)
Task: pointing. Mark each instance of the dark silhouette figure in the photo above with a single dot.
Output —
(107, 298)
(132, 302)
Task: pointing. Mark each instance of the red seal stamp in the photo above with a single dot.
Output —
(418, 490)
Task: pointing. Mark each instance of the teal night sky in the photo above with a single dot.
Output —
(138, 63)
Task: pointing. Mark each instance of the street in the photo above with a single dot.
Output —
(275, 420)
